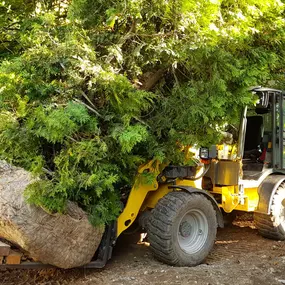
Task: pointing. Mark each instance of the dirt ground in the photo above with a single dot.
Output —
(240, 256)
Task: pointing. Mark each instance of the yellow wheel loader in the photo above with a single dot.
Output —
(183, 206)
(180, 207)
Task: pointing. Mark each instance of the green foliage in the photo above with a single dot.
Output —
(46, 195)
(130, 136)
(89, 89)
(56, 124)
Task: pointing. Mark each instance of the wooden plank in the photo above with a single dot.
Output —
(14, 257)
(1, 259)
(4, 249)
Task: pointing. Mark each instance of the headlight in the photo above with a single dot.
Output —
(204, 153)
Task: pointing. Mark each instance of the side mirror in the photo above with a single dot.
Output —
(263, 99)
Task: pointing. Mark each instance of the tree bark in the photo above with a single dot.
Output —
(151, 79)
(65, 241)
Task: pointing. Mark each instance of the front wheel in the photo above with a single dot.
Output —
(182, 228)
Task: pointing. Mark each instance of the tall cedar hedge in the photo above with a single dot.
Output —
(91, 89)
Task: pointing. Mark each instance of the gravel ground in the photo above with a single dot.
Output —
(240, 256)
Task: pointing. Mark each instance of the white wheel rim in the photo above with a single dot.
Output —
(192, 231)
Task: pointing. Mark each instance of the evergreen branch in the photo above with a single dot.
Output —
(87, 98)
(49, 172)
(88, 107)
(161, 35)
(72, 139)
(141, 121)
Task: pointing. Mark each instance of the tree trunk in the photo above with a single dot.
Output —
(65, 241)
(150, 79)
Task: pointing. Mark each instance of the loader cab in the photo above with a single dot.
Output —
(261, 144)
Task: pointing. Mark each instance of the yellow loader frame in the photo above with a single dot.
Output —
(145, 196)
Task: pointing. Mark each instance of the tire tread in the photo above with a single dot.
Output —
(161, 222)
(265, 223)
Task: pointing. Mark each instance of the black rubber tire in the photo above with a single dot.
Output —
(273, 226)
(163, 228)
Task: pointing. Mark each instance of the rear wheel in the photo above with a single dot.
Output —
(273, 226)
(182, 228)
